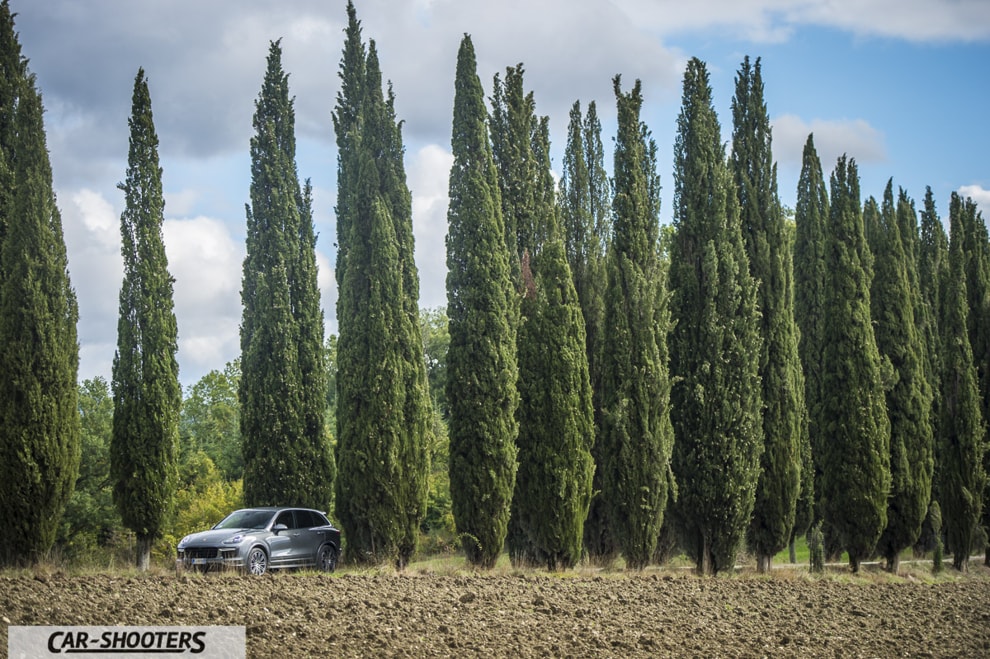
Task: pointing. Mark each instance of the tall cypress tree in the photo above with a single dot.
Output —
(961, 426)
(715, 344)
(583, 211)
(636, 434)
(39, 353)
(146, 393)
(382, 436)
(755, 176)
(287, 459)
(514, 140)
(809, 281)
(556, 424)
(900, 343)
(976, 246)
(810, 216)
(933, 274)
(481, 360)
(855, 430)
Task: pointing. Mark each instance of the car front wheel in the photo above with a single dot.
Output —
(257, 561)
(326, 560)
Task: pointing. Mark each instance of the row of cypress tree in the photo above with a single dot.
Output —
(749, 374)
(610, 388)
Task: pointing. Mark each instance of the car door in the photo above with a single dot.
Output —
(280, 547)
(306, 537)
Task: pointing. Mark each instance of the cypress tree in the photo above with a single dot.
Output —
(782, 379)
(977, 250)
(933, 262)
(715, 344)
(382, 437)
(582, 205)
(961, 427)
(636, 433)
(556, 423)
(146, 394)
(39, 353)
(809, 281)
(515, 138)
(481, 360)
(286, 452)
(900, 343)
(853, 420)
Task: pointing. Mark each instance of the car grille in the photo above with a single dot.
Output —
(201, 552)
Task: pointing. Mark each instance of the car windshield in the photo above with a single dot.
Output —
(245, 519)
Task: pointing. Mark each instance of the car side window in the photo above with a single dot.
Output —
(285, 518)
(305, 519)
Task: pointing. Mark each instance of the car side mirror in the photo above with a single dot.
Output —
(278, 528)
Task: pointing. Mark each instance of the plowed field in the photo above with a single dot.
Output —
(664, 613)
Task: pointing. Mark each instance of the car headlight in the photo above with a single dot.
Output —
(182, 543)
(236, 540)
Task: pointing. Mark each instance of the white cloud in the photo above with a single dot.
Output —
(428, 171)
(92, 239)
(980, 195)
(206, 263)
(853, 137)
(327, 282)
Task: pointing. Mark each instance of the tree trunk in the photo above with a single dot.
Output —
(894, 563)
(763, 563)
(854, 564)
(705, 563)
(143, 551)
(792, 549)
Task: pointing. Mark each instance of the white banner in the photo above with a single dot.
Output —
(103, 642)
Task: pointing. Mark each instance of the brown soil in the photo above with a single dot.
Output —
(665, 613)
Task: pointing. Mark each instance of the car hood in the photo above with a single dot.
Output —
(215, 537)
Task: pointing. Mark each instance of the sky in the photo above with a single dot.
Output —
(902, 86)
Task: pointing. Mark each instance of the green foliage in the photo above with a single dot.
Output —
(961, 428)
(146, 392)
(210, 420)
(855, 430)
(583, 207)
(203, 498)
(481, 361)
(39, 352)
(715, 344)
(384, 422)
(282, 392)
(894, 296)
(770, 264)
(436, 342)
(636, 434)
(91, 519)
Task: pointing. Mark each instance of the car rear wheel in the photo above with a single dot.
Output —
(326, 559)
(257, 561)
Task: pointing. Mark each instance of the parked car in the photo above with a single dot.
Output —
(260, 539)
